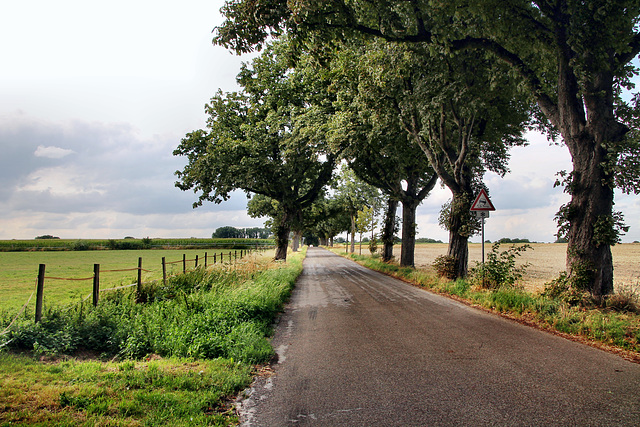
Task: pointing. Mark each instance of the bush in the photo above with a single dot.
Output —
(445, 266)
(500, 268)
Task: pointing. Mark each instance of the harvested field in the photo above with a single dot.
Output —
(547, 261)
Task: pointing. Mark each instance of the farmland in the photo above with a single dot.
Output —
(546, 261)
(19, 270)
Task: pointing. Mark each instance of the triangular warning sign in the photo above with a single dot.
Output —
(482, 202)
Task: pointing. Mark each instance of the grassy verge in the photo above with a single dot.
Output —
(174, 359)
(602, 327)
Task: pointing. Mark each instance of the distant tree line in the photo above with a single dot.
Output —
(229, 232)
(516, 240)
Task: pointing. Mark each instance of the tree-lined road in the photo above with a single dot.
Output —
(357, 348)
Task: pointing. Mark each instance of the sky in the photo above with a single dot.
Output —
(95, 96)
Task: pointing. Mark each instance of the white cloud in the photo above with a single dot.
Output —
(52, 152)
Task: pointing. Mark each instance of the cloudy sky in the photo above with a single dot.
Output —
(95, 96)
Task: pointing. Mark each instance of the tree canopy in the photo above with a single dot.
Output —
(266, 139)
(574, 57)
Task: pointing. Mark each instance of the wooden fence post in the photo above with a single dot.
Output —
(196, 261)
(184, 263)
(205, 260)
(96, 284)
(139, 288)
(39, 292)
(214, 257)
(164, 271)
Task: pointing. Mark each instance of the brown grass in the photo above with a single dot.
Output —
(547, 261)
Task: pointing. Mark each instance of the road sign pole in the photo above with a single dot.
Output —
(483, 284)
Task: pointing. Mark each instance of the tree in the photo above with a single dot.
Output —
(365, 222)
(266, 139)
(464, 122)
(574, 58)
(353, 194)
(226, 232)
(375, 144)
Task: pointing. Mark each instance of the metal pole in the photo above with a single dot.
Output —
(483, 272)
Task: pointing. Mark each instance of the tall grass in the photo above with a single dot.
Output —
(220, 312)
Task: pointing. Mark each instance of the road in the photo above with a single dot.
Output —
(357, 348)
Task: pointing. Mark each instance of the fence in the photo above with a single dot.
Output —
(95, 294)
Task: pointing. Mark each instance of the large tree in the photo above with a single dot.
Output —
(375, 145)
(464, 122)
(266, 139)
(573, 56)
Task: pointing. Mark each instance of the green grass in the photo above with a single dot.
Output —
(176, 392)
(616, 329)
(19, 271)
(174, 359)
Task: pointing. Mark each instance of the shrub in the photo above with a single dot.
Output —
(560, 289)
(445, 266)
(500, 268)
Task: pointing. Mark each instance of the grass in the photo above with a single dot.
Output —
(607, 327)
(19, 271)
(174, 359)
(177, 392)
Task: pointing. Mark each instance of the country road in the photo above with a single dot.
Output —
(357, 348)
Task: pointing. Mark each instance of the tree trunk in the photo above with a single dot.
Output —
(591, 233)
(587, 129)
(296, 241)
(281, 232)
(353, 233)
(388, 233)
(407, 254)
(459, 234)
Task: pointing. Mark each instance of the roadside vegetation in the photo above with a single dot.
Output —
(173, 355)
(613, 322)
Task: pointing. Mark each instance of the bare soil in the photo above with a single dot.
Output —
(546, 261)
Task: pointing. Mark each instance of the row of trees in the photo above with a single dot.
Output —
(228, 232)
(408, 93)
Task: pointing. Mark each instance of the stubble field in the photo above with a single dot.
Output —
(546, 261)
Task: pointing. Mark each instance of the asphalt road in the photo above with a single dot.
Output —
(357, 348)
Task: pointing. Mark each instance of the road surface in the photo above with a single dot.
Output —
(357, 348)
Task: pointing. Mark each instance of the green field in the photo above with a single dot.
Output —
(19, 272)
(146, 243)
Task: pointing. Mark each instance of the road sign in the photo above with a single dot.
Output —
(481, 214)
(482, 203)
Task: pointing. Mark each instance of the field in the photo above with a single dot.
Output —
(546, 259)
(19, 271)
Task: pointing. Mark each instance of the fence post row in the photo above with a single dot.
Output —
(96, 277)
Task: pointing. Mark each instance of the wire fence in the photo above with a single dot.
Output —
(206, 261)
